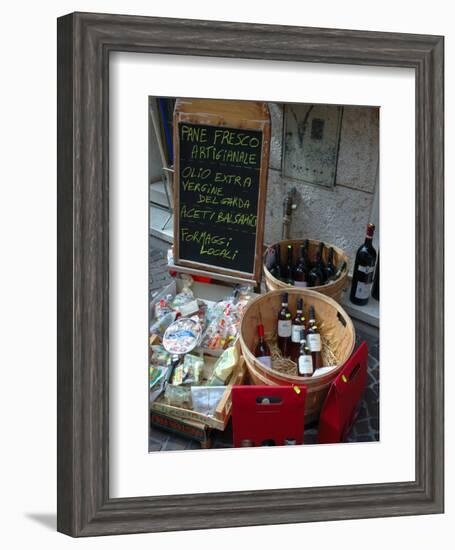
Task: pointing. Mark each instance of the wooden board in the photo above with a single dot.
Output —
(181, 426)
(221, 166)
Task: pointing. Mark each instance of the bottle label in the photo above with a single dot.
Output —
(296, 333)
(365, 269)
(305, 364)
(301, 284)
(314, 342)
(266, 361)
(363, 290)
(270, 258)
(284, 328)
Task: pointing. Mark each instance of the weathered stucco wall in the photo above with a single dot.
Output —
(339, 214)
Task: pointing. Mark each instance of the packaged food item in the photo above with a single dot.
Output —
(159, 356)
(222, 329)
(159, 326)
(186, 295)
(157, 379)
(223, 320)
(224, 367)
(189, 371)
(163, 307)
(190, 308)
(178, 375)
(178, 396)
(193, 366)
(242, 296)
(170, 256)
(206, 398)
(155, 375)
(182, 336)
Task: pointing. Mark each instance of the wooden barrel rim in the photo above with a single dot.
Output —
(334, 287)
(289, 378)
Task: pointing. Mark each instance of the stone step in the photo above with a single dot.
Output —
(158, 194)
(158, 218)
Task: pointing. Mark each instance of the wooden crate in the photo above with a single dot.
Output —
(333, 290)
(223, 411)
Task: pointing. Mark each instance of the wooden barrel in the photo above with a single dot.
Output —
(335, 325)
(334, 290)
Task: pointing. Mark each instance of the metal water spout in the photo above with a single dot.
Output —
(289, 204)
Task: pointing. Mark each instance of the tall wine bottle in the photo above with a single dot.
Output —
(275, 269)
(337, 274)
(317, 276)
(375, 290)
(262, 350)
(330, 268)
(362, 276)
(288, 269)
(301, 268)
(298, 324)
(284, 326)
(313, 339)
(305, 366)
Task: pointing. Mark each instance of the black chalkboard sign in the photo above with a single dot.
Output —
(218, 196)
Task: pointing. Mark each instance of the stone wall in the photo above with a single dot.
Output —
(337, 215)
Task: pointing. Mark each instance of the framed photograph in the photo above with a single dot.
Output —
(224, 192)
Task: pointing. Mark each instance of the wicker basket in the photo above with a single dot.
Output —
(334, 290)
(335, 325)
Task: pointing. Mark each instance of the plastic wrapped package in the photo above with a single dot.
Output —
(182, 336)
(185, 296)
(157, 379)
(163, 307)
(159, 356)
(224, 367)
(178, 396)
(193, 366)
(160, 326)
(223, 326)
(206, 398)
(189, 371)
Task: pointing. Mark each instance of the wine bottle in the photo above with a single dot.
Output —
(284, 328)
(275, 269)
(301, 268)
(298, 323)
(316, 276)
(375, 289)
(320, 260)
(330, 268)
(338, 273)
(362, 276)
(288, 269)
(305, 360)
(262, 350)
(314, 340)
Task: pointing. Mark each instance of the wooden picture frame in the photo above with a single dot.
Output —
(84, 505)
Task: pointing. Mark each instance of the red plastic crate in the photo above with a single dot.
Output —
(340, 408)
(264, 413)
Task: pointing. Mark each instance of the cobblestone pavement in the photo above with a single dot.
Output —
(366, 427)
